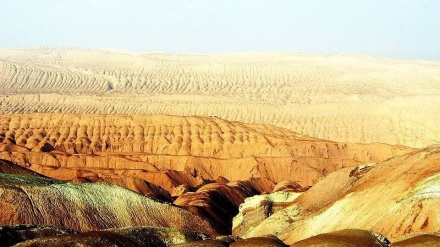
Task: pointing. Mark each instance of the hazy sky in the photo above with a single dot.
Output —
(393, 28)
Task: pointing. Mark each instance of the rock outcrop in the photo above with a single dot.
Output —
(259, 242)
(10, 235)
(395, 197)
(87, 206)
(217, 202)
(203, 243)
(120, 237)
(345, 238)
(289, 186)
(420, 240)
(258, 208)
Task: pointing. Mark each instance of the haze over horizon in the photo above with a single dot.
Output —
(396, 29)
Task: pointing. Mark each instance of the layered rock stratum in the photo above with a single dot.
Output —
(88, 206)
(168, 151)
(217, 202)
(258, 208)
(395, 198)
(345, 97)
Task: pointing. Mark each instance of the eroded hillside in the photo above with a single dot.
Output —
(398, 197)
(84, 207)
(168, 151)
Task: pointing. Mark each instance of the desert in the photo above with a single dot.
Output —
(344, 97)
(236, 123)
(205, 166)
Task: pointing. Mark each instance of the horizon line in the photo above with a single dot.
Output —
(152, 52)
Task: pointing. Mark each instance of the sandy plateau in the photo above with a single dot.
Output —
(345, 97)
(112, 148)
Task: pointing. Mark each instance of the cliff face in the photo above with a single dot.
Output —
(85, 207)
(217, 202)
(256, 209)
(168, 151)
(396, 197)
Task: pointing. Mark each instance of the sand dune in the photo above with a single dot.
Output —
(346, 97)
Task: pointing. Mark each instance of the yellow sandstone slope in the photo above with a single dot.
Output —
(395, 198)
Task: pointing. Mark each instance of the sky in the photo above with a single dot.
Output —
(407, 29)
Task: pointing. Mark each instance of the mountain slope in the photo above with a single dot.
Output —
(396, 197)
(84, 207)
